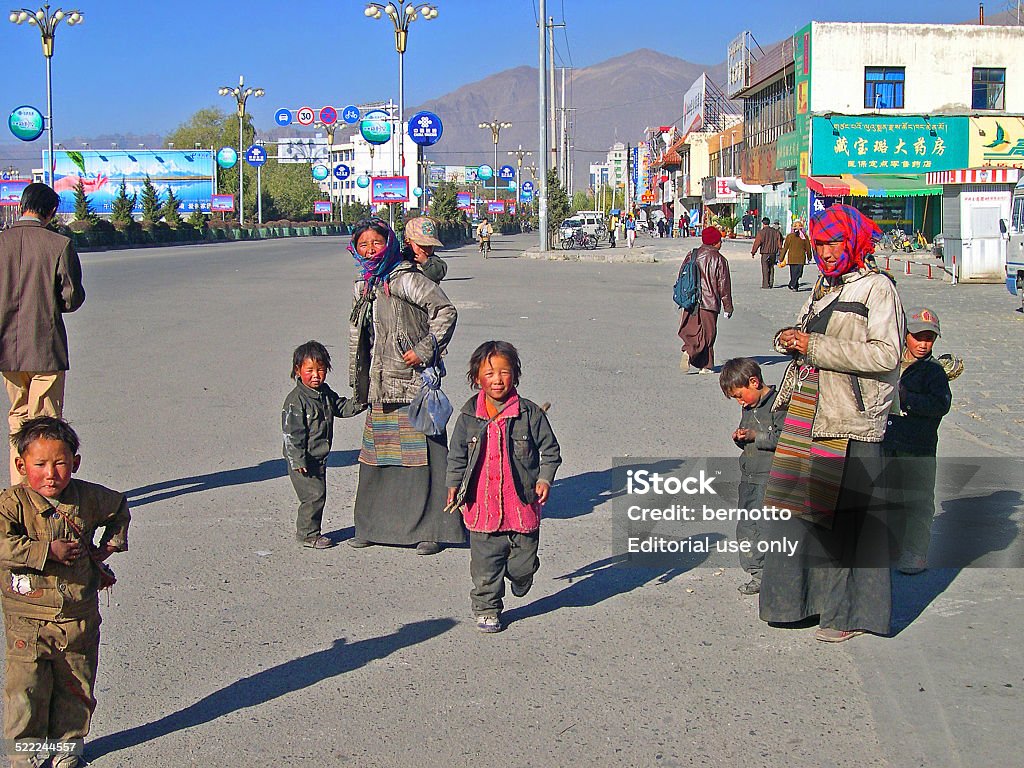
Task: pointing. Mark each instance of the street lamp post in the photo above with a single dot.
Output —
(495, 127)
(519, 154)
(401, 17)
(241, 94)
(46, 23)
(330, 129)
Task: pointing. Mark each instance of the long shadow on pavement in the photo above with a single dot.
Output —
(581, 494)
(265, 470)
(273, 683)
(604, 579)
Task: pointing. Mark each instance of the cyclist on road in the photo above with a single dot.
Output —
(483, 232)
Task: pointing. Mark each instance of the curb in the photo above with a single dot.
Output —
(608, 255)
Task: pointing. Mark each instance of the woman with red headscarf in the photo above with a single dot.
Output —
(838, 390)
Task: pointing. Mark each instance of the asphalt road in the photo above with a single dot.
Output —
(224, 643)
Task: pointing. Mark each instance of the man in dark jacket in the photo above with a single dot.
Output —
(40, 279)
(699, 327)
(769, 243)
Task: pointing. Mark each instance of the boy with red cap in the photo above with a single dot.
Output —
(699, 327)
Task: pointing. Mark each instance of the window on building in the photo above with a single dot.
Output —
(988, 87)
(883, 87)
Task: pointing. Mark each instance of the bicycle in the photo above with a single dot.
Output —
(485, 246)
(579, 239)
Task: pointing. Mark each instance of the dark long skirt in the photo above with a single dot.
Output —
(405, 505)
(698, 331)
(840, 575)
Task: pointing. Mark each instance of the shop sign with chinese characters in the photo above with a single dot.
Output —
(892, 145)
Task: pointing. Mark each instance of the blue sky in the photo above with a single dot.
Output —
(138, 66)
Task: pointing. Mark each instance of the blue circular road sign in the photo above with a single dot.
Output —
(283, 117)
(484, 172)
(320, 172)
(527, 186)
(425, 128)
(363, 181)
(342, 171)
(227, 157)
(375, 127)
(506, 172)
(256, 156)
(350, 114)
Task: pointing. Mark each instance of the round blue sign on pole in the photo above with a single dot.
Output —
(320, 172)
(256, 156)
(425, 128)
(363, 181)
(26, 123)
(506, 172)
(350, 114)
(375, 127)
(342, 171)
(527, 186)
(283, 117)
(227, 157)
(484, 172)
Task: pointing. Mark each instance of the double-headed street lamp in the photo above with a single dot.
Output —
(241, 93)
(495, 127)
(401, 16)
(519, 154)
(46, 23)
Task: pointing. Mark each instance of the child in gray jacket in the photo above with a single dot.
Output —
(307, 423)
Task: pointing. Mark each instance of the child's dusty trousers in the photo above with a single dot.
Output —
(492, 557)
(311, 489)
(51, 670)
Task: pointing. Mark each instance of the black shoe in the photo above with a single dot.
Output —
(428, 548)
(752, 587)
(520, 591)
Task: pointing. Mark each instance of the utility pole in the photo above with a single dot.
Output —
(553, 161)
(564, 165)
(542, 88)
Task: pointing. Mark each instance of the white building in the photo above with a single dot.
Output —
(369, 160)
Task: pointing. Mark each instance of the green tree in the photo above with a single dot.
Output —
(581, 201)
(197, 219)
(558, 202)
(288, 191)
(151, 208)
(170, 210)
(355, 212)
(444, 205)
(83, 208)
(122, 206)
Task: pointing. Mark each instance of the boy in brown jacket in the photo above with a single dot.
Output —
(51, 572)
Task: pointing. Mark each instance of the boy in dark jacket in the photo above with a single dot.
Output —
(307, 422)
(912, 437)
(757, 436)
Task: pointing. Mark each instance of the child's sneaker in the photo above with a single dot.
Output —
(65, 761)
(488, 624)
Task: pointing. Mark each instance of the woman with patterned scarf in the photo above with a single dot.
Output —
(400, 320)
(838, 389)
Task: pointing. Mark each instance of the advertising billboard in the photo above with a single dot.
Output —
(693, 106)
(10, 191)
(322, 207)
(495, 206)
(464, 201)
(222, 203)
(188, 172)
(900, 144)
(436, 175)
(389, 189)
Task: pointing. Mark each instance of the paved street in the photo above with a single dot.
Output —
(227, 644)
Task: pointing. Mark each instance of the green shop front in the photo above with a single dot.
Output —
(879, 165)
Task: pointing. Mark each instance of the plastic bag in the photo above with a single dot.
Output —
(430, 409)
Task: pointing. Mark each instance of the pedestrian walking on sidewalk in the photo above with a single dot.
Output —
(768, 242)
(796, 252)
(698, 327)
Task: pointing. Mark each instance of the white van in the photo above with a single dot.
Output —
(593, 223)
(1015, 246)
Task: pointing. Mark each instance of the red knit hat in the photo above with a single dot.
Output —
(711, 236)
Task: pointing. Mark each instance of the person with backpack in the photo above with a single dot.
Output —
(703, 289)
(769, 243)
